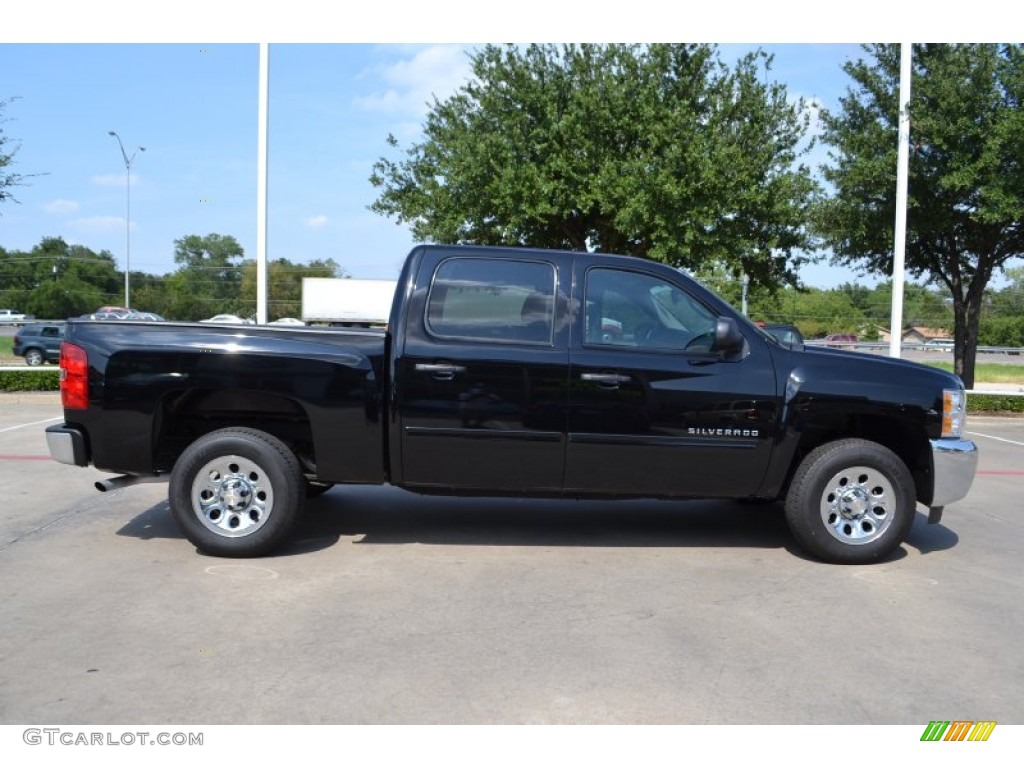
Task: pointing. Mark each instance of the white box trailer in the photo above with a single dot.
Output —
(347, 300)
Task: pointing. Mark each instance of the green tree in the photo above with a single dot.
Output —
(56, 280)
(922, 306)
(284, 284)
(1009, 301)
(814, 311)
(208, 280)
(966, 177)
(658, 151)
(150, 294)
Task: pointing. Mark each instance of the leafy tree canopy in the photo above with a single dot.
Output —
(966, 183)
(658, 151)
(56, 280)
(209, 277)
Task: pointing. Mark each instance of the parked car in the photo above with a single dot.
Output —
(13, 317)
(286, 321)
(841, 338)
(39, 343)
(939, 345)
(120, 313)
(111, 313)
(226, 320)
(787, 334)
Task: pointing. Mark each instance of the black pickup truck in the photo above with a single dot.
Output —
(516, 371)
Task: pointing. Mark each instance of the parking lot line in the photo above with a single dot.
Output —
(993, 437)
(30, 424)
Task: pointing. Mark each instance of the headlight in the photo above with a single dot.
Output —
(954, 407)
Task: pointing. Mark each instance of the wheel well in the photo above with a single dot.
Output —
(187, 415)
(904, 437)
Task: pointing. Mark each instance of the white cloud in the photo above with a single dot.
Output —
(99, 224)
(410, 84)
(114, 180)
(61, 206)
(316, 222)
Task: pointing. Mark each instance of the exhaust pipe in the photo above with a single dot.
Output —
(123, 481)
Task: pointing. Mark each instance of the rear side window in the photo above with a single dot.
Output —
(501, 300)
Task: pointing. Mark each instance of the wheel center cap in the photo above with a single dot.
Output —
(235, 494)
(854, 503)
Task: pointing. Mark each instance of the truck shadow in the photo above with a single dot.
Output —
(392, 516)
(389, 516)
(930, 538)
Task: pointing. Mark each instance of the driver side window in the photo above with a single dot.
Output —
(630, 309)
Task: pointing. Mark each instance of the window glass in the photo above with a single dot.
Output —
(492, 299)
(630, 309)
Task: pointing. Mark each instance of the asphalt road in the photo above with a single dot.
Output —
(390, 608)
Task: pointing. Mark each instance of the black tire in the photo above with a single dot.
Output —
(851, 501)
(34, 357)
(237, 492)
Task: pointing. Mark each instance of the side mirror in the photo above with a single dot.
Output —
(728, 339)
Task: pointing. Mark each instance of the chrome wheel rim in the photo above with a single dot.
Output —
(858, 505)
(232, 496)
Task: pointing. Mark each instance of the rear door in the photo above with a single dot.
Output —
(482, 372)
(654, 409)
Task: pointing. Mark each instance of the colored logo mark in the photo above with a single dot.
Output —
(958, 730)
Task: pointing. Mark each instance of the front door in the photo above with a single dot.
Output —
(654, 410)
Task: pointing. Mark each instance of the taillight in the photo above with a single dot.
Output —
(74, 376)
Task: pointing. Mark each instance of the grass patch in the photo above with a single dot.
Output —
(991, 373)
(6, 345)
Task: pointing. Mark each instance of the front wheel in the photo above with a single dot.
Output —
(237, 492)
(851, 501)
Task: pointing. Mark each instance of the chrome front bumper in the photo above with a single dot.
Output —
(954, 462)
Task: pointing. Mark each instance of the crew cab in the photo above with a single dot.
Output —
(516, 371)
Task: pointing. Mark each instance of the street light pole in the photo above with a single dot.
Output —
(128, 214)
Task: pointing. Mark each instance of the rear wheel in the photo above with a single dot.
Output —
(237, 492)
(34, 357)
(851, 501)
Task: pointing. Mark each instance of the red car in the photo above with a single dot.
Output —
(835, 339)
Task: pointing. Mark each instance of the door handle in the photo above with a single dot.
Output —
(609, 380)
(441, 371)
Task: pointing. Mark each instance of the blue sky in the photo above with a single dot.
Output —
(193, 106)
